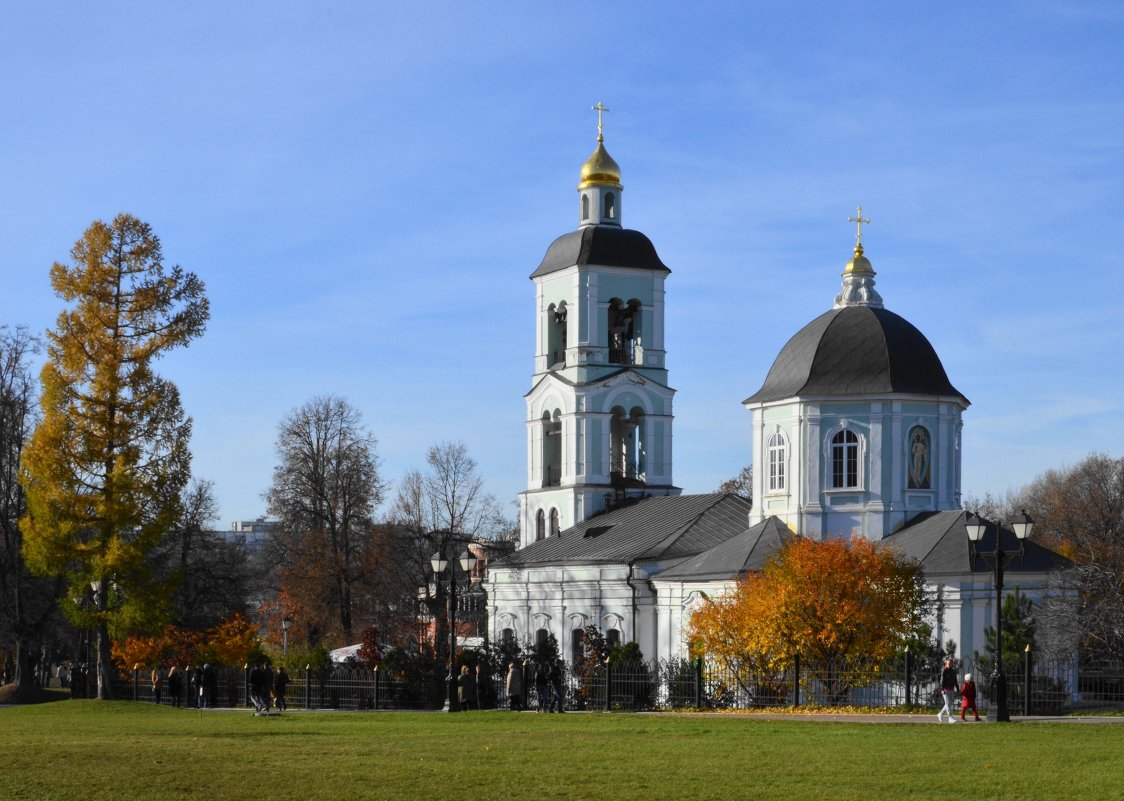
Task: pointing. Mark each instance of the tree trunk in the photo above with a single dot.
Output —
(105, 664)
(24, 676)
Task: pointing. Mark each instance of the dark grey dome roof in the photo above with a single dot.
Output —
(856, 350)
(604, 245)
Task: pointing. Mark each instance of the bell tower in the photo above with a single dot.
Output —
(599, 412)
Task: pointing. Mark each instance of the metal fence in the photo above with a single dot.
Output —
(1056, 686)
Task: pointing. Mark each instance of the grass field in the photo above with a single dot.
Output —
(122, 751)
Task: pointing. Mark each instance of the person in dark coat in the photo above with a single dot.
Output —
(175, 686)
(466, 690)
(280, 684)
(948, 691)
(556, 687)
(485, 693)
(542, 686)
(197, 690)
(210, 685)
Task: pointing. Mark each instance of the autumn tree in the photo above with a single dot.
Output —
(741, 484)
(442, 510)
(1079, 512)
(27, 602)
(832, 603)
(326, 487)
(105, 467)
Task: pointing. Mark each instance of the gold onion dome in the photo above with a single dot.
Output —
(600, 168)
(859, 265)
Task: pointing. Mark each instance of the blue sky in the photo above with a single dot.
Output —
(366, 187)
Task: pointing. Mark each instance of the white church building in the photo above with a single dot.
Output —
(856, 431)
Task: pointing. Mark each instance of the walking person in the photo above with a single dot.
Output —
(280, 684)
(175, 686)
(197, 690)
(466, 690)
(556, 687)
(948, 692)
(542, 687)
(157, 683)
(968, 697)
(514, 686)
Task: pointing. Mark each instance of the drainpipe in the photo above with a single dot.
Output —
(631, 586)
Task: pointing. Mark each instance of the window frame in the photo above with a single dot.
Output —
(776, 458)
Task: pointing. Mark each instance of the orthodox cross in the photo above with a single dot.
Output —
(859, 220)
(600, 109)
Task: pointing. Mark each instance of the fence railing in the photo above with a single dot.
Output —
(1055, 686)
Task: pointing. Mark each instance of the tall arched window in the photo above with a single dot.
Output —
(577, 646)
(845, 460)
(551, 449)
(777, 458)
(627, 445)
(555, 522)
(585, 207)
(610, 206)
(556, 334)
(540, 525)
(624, 330)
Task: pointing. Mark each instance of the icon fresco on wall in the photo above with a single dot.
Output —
(919, 458)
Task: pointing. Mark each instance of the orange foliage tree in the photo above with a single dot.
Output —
(230, 643)
(835, 604)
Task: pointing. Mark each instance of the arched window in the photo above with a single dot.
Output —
(555, 523)
(845, 460)
(627, 446)
(610, 206)
(556, 334)
(552, 449)
(540, 525)
(577, 646)
(919, 458)
(585, 207)
(541, 637)
(777, 457)
(624, 330)
(507, 637)
(613, 638)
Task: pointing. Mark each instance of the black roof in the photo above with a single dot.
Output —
(661, 527)
(603, 245)
(940, 543)
(735, 557)
(856, 350)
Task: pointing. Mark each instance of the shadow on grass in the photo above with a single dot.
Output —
(19, 694)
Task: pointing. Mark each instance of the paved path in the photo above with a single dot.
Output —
(923, 718)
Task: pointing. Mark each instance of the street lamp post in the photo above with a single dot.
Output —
(999, 558)
(286, 624)
(438, 562)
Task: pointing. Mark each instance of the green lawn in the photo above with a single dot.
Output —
(121, 751)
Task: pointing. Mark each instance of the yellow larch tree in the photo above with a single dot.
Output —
(104, 469)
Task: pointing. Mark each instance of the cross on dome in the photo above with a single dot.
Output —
(600, 108)
(859, 220)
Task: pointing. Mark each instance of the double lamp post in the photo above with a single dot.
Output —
(999, 558)
(439, 563)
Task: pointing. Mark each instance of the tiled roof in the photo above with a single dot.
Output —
(856, 350)
(940, 543)
(602, 245)
(656, 528)
(735, 557)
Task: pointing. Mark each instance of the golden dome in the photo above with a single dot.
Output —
(859, 265)
(600, 168)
